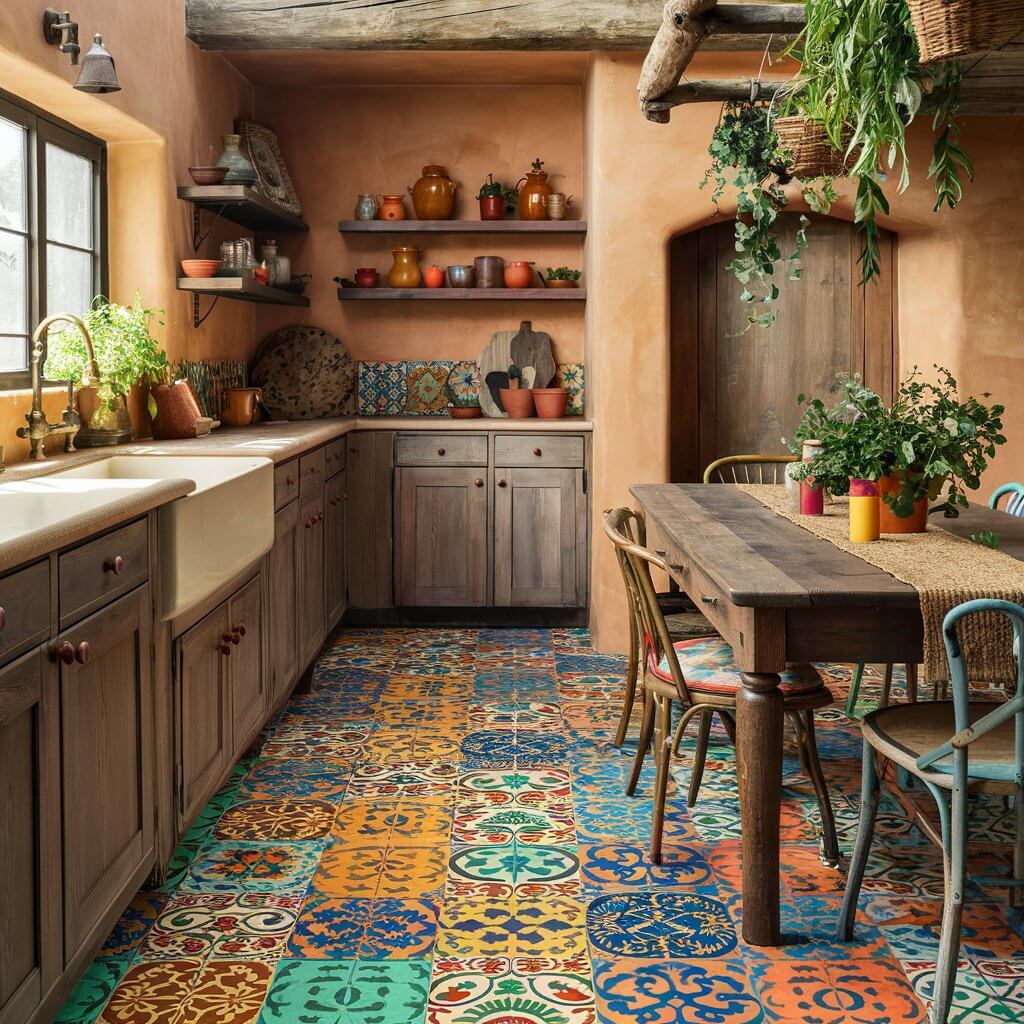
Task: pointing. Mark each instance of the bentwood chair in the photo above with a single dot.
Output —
(702, 678)
(748, 469)
(1015, 504)
(955, 748)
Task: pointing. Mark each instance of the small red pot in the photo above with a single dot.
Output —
(518, 274)
(550, 402)
(367, 277)
(433, 277)
(517, 402)
(492, 208)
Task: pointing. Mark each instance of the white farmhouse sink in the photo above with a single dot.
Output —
(208, 536)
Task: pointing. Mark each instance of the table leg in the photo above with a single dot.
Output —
(759, 766)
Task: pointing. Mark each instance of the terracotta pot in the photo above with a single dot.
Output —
(392, 208)
(517, 402)
(433, 277)
(559, 284)
(405, 271)
(533, 194)
(518, 274)
(492, 208)
(466, 412)
(367, 277)
(240, 406)
(889, 522)
(433, 196)
(177, 410)
(550, 402)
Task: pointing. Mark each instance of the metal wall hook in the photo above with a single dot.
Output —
(55, 25)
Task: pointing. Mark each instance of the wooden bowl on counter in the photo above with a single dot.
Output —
(208, 175)
(200, 268)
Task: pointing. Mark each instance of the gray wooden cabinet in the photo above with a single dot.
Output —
(441, 549)
(311, 575)
(245, 665)
(283, 604)
(335, 549)
(370, 537)
(106, 763)
(30, 883)
(539, 538)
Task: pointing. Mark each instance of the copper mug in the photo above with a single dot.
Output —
(240, 405)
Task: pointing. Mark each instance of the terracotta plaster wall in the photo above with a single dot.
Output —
(961, 282)
(341, 142)
(174, 104)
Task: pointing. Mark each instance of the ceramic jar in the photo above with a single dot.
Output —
(433, 196)
(490, 271)
(391, 208)
(366, 207)
(433, 277)
(864, 511)
(556, 206)
(889, 522)
(240, 171)
(367, 277)
(405, 271)
(518, 274)
(533, 193)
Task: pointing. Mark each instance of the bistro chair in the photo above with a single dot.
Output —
(748, 469)
(1015, 504)
(955, 748)
(702, 678)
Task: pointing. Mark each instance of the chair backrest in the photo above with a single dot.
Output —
(635, 561)
(966, 731)
(1015, 504)
(748, 469)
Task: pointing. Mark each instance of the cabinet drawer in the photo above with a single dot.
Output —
(335, 457)
(441, 450)
(312, 470)
(563, 451)
(92, 575)
(286, 483)
(24, 609)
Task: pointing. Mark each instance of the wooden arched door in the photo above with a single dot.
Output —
(735, 390)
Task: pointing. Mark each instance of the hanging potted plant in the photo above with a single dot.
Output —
(948, 29)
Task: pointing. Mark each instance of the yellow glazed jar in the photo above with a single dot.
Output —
(865, 511)
(405, 271)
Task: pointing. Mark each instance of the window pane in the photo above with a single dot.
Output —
(13, 354)
(13, 283)
(69, 197)
(13, 175)
(69, 281)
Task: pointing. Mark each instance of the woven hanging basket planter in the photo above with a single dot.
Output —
(948, 29)
(813, 155)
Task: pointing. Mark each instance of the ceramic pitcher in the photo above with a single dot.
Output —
(405, 271)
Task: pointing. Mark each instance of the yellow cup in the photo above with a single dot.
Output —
(865, 509)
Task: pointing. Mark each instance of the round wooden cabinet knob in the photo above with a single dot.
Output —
(114, 565)
(3, 619)
(83, 652)
(289, 481)
(240, 629)
(478, 482)
(230, 638)
(537, 452)
(66, 653)
(224, 648)
(440, 451)
(503, 483)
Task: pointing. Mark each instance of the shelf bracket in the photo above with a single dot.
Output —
(198, 236)
(197, 320)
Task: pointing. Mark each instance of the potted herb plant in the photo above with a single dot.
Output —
(561, 277)
(495, 199)
(129, 356)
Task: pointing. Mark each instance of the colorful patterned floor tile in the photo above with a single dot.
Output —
(439, 834)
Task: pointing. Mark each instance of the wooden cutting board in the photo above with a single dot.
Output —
(495, 359)
(533, 348)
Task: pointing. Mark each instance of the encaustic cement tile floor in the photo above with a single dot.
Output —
(439, 834)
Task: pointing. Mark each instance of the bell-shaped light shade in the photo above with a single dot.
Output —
(98, 73)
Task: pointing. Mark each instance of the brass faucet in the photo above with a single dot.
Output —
(38, 429)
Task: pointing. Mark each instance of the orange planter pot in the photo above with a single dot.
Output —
(889, 522)
(517, 402)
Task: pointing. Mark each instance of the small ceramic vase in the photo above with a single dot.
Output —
(864, 511)
(405, 271)
(433, 196)
(392, 208)
(518, 274)
(366, 207)
(367, 277)
(433, 277)
(240, 171)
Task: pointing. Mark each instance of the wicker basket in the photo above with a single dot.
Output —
(947, 29)
(814, 156)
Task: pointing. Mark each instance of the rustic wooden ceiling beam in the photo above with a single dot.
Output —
(470, 24)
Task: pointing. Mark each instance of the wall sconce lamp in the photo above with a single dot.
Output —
(55, 25)
(98, 74)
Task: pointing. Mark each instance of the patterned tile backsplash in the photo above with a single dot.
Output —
(382, 389)
(424, 388)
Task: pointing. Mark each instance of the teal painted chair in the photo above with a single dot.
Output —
(1015, 504)
(955, 748)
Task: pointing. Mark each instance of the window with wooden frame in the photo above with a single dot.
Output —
(53, 236)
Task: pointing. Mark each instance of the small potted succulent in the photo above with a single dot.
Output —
(561, 277)
(495, 199)
(516, 400)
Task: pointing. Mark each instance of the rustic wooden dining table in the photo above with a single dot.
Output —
(781, 595)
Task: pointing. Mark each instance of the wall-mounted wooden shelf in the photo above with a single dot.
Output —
(463, 227)
(463, 294)
(244, 288)
(243, 205)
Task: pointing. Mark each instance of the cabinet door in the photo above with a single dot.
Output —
(204, 712)
(311, 576)
(30, 941)
(539, 537)
(370, 518)
(106, 746)
(441, 555)
(245, 665)
(335, 576)
(283, 600)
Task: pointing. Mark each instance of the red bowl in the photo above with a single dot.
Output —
(200, 268)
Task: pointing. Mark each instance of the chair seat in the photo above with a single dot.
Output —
(689, 626)
(709, 666)
(904, 732)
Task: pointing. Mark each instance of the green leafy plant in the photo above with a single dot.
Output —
(127, 352)
(986, 538)
(744, 155)
(564, 274)
(492, 189)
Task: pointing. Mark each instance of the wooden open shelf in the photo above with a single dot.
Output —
(242, 204)
(463, 294)
(243, 288)
(463, 227)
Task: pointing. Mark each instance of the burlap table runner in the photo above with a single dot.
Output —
(944, 569)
